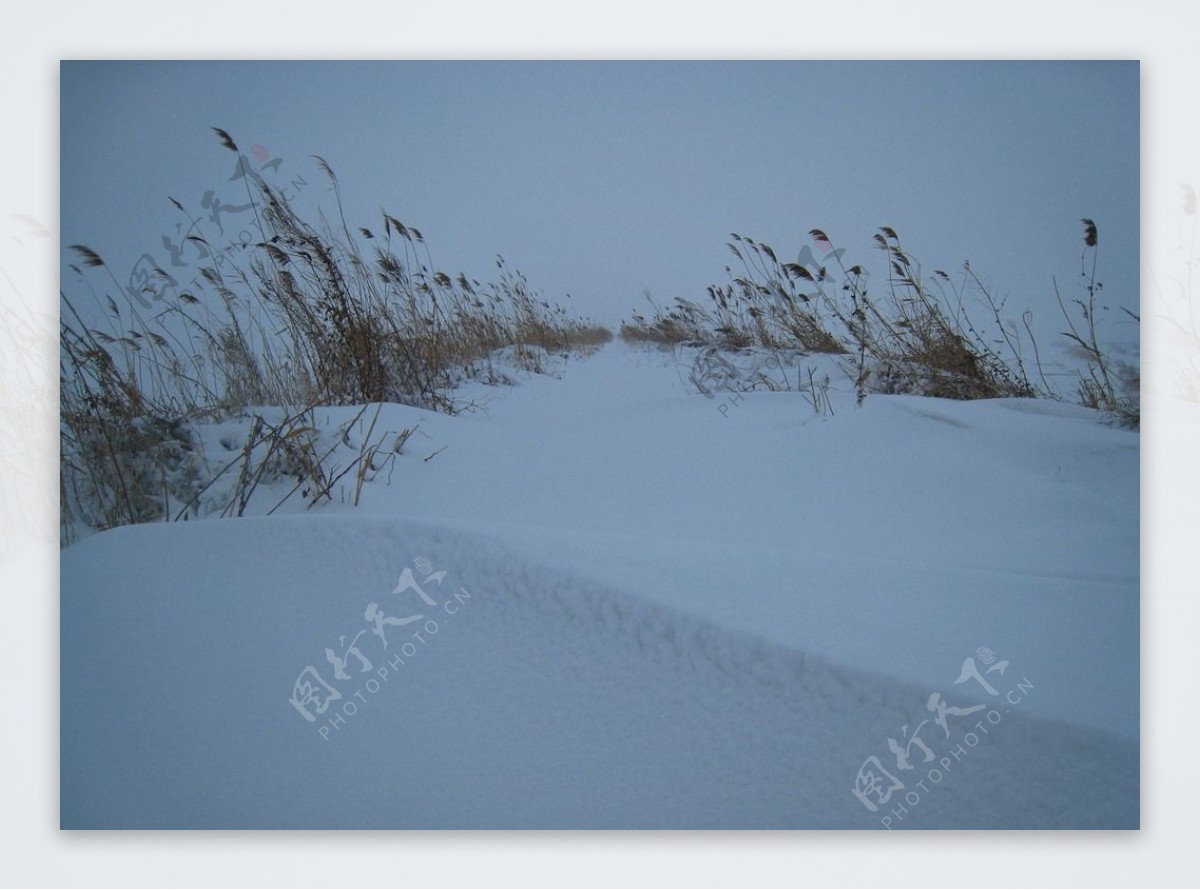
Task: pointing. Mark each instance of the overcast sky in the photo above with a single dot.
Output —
(603, 180)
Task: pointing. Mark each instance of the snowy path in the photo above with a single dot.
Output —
(677, 618)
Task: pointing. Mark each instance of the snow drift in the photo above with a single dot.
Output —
(653, 614)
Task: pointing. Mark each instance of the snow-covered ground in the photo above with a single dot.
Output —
(658, 610)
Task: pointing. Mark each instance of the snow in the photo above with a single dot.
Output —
(683, 612)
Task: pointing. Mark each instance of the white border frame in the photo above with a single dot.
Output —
(1163, 35)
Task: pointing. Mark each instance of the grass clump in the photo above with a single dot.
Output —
(312, 314)
(765, 304)
(1105, 384)
(917, 334)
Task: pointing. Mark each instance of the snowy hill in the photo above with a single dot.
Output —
(658, 610)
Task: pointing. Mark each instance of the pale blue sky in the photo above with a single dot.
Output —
(604, 179)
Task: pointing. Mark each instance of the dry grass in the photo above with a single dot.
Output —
(1104, 384)
(916, 334)
(312, 315)
(766, 303)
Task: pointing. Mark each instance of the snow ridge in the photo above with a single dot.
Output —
(548, 699)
